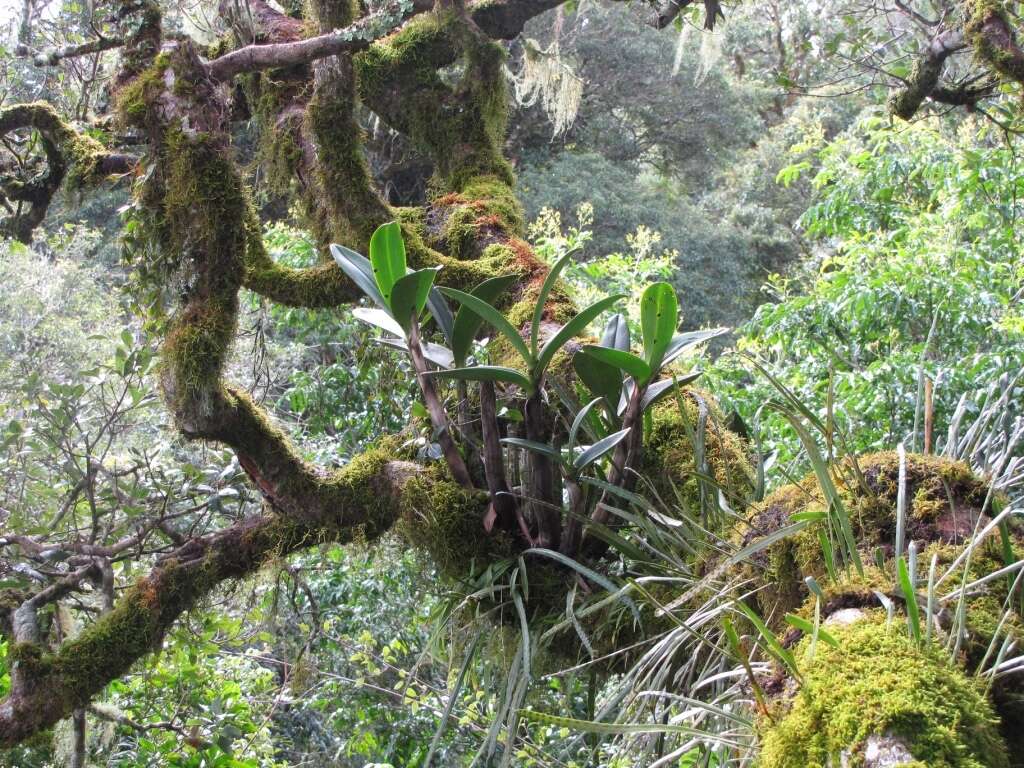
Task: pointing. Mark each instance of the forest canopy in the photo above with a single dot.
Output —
(511, 383)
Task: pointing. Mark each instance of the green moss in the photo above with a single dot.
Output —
(461, 128)
(669, 461)
(989, 29)
(877, 683)
(441, 518)
(931, 483)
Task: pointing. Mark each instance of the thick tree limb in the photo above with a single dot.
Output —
(992, 34)
(355, 37)
(924, 79)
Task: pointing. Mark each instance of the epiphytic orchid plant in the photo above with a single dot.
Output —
(540, 476)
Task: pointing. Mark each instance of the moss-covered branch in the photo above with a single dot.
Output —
(990, 31)
(71, 157)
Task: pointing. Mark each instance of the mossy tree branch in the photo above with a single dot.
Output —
(70, 157)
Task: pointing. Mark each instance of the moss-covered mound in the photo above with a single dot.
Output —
(670, 460)
(944, 501)
(878, 683)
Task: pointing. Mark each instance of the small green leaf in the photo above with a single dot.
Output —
(532, 445)
(487, 373)
(495, 318)
(438, 308)
(807, 628)
(387, 256)
(467, 322)
(909, 597)
(659, 315)
(659, 389)
(409, 296)
(625, 361)
(578, 421)
(682, 342)
(570, 330)
(379, 318)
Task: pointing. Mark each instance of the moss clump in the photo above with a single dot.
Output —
(932, 483)
(461, 128)
(135, 99)
(441, 518)
(877, 683)
(669, 457)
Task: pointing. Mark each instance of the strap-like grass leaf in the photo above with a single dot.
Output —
(659, 314)
(599, 377)
(542, 298)
(487, 373)
(659, 389)
(682, 342)
(358, 269)
(598, 449)
(409, 295)
(572, 329)
(495, 318)
(467, 322)
(909, 597)
(772, 644)
(387, 256)
(533, 445)
(616, 333)
(379, 318)
(809, 629)
(624, 361)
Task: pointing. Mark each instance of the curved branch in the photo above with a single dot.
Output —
(70, 155)
(994, 38)
(923, 81)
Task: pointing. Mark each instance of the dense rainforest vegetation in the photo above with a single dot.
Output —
(603, 383)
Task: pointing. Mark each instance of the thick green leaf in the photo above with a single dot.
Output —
(616, 333)
(578, 421)
(437, 354)
(598, 449)
(380, 318)
(542, 297)
(532, 445)
(438, 308)
(572, 329)
(487, 373)
(467, 322)
(409, 295)
(599, 377)
(495, 318)
(659, 315)
(358, 269)
(624, 361)
(659, 389)
(387, 256)
(682, 342)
